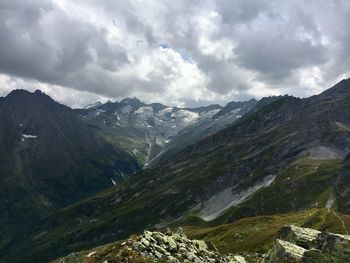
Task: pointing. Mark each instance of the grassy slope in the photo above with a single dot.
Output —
(291, 191)
(305, 184)
(247, 235)
(257, 234)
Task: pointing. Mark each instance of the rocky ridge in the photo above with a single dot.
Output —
(153, 130)
(170, 247)
(297, 244)
(294, 244)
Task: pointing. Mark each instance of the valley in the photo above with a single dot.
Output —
(285, 160)
(174, 131)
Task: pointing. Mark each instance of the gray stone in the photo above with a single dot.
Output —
(297, 244)
(284, 251)
(304, 237)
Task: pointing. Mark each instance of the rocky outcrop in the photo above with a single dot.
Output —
(296, 244)
(176, 247)
(169, 247)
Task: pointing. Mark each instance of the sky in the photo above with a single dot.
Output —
(182, 53)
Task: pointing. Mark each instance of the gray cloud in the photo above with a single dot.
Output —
(40, 41)
(281, 44)
(236, 48)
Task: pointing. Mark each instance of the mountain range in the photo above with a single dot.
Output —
(152, 131)
(75, 179)
(53, 156)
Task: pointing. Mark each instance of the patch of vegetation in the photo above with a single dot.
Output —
(291, 190)
(257, 234)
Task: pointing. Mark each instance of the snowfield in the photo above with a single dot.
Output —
(29, 136)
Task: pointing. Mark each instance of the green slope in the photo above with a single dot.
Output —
(49, 158)
(257, 234)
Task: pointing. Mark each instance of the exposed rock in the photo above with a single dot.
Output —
(149, 247)
(297, 244)
(304, 237)
(176, 247)
(284, 251)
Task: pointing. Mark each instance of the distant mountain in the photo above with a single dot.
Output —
(155, 131)
(93, 106)
(290, 154)
(50, 158)
(233, 106)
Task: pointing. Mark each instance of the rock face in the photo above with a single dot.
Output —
(156, 129)
(176, 247)
(167, 247)
(296, 244)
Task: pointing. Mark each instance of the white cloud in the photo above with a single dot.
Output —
(216, 51)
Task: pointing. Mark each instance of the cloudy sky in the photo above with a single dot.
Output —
(176, 52)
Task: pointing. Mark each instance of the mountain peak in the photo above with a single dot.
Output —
(38, 92)
(130, 100)
(339, 89)
(133, 102)
(23, 92)
(18, 92)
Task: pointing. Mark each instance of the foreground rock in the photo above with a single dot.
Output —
(167, 247)
(297, 244)
(176, 247)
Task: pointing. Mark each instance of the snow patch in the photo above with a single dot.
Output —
(145, 110)
(229, 197)
(342, 126)
(116, 114)
(91, 254)
(187, 116)
(235, 111)
(98, 112)
(209, 114)
(114, 183)
(166, 110)
(29, 136)
(126, 109)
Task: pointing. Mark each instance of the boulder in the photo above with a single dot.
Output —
(305, 245)
(176, 247)
(284, 251)
(304, 237)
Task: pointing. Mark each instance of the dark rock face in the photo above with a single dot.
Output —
(49, 158)
(297, 244)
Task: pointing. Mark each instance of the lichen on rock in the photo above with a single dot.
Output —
(305, 245)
